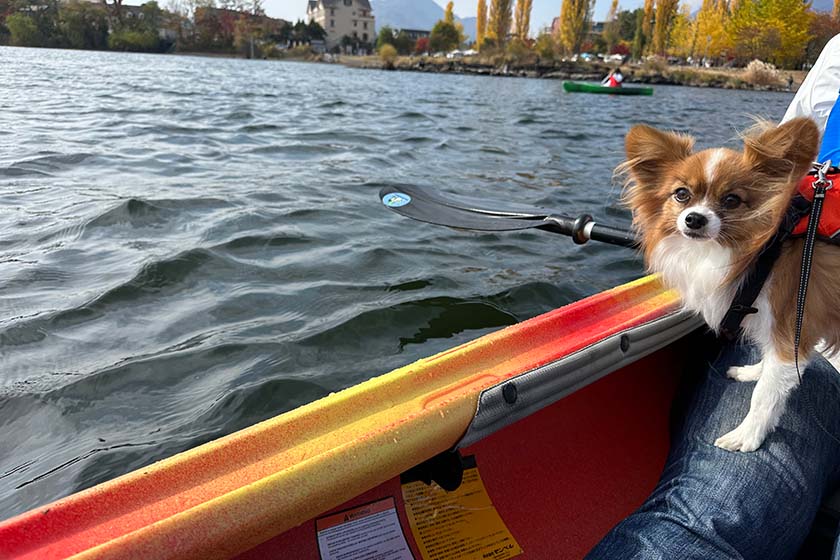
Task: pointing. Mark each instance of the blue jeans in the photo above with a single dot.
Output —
(711, 503)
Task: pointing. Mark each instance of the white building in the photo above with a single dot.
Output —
(343, 18)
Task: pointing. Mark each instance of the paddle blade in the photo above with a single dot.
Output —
(428, 206)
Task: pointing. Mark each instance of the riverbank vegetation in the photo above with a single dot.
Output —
(231, 27)
(783, 34)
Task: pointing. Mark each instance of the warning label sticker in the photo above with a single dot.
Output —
(459, 525)
(368, 532)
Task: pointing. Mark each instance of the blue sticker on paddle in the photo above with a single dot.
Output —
(395, 200)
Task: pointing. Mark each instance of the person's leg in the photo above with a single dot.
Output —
(713, 503)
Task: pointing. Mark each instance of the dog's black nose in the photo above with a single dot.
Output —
(695, 220)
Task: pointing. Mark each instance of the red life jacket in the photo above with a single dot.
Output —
(829, 226)
(613, 82)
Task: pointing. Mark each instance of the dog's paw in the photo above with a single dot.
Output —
(745, 373)
(746, 437)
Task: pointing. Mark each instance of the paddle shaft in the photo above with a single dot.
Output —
(583, 228)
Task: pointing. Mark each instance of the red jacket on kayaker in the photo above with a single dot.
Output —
(614, 79)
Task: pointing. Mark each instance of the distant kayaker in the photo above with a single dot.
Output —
(613, 79)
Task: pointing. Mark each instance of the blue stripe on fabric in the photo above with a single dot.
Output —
(830, 148)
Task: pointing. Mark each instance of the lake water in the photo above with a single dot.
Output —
(191, 245)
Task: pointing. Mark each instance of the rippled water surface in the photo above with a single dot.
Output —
(190, 245)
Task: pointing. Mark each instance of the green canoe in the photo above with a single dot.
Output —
(580, 87)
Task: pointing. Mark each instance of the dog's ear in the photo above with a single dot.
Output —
(785, 152)
(651, 151)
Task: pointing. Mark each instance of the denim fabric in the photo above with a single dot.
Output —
(711, 503)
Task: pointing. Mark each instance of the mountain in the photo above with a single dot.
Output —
(406, 14)
(469, 27)
(414, 14)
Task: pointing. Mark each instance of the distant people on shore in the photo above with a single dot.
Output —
(613, 79)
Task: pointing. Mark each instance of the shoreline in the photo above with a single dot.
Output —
(648, 74)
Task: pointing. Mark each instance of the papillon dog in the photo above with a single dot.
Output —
(703, 217)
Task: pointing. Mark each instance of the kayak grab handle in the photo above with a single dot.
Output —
(584, 228)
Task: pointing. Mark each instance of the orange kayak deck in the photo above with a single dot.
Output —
(233, 494)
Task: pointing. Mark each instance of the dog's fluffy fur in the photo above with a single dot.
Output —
(703, 217)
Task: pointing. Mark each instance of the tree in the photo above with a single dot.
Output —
(481, 23)
(385, 37)
(445, 37)
(545, 46)
(774, 31)
(403, 43)
(499, 23)
(575, 16)
(449, 18)
(611, 27)
(647, 24)
(823, 28)
(23, 30)
(422, 45)
(639, 36)
(665, 12)
(627, 24)
(83, 25)
(388, 54)
(835, 11)
(314, 31)
(523, 19)
(683, 33)
(711, 23)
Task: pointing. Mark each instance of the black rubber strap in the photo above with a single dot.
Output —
(742, 303)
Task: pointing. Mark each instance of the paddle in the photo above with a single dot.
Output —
(428, 206)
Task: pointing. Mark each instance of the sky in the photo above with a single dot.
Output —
(541, 15)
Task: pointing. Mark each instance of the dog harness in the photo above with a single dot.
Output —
(828, 227)
(794, 224)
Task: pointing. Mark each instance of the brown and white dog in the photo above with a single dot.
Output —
(703, 218)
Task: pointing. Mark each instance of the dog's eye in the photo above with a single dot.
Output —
(731, 201)
(682, 195)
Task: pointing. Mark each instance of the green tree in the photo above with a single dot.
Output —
(385, 37)
(84, 25)
(445, 37)
(639, 36)
(627, 24)
(126, 39)
(314, 31)
(403, 43)
(545, 46)
(24, 31)
(647, 24)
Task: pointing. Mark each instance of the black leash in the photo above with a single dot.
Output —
(821, 185)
